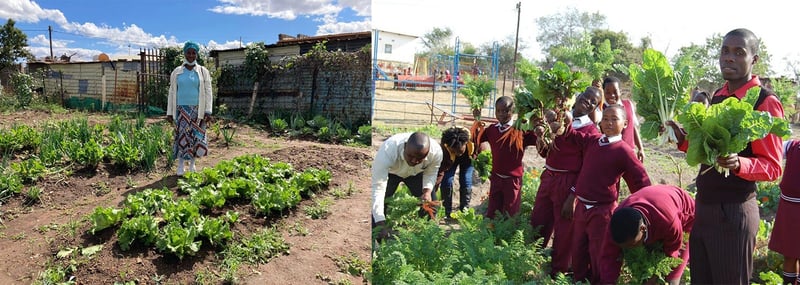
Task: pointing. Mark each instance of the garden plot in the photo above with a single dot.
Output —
(263, 210)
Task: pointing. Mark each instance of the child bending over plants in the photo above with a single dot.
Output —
(657, 215)
(785, 231)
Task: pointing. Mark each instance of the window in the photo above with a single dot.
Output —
(83, 86)
(387, 48)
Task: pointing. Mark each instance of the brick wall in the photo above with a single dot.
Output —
(340, 90)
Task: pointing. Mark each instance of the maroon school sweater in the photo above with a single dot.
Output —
(506, 160)
(790, 184)
(564, 154)
(668, 212)
(603, 166)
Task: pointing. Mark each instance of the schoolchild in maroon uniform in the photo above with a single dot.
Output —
(654, 214)
(555, 201)
(724, 236)
(606, 158)
(785, 232)
(506, 178)
(612, 95)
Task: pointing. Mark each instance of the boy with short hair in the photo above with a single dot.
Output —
(507, 168)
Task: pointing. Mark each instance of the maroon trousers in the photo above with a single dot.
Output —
(504, 195)
(589, 229)
(554, 188)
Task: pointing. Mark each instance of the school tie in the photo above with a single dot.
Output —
(604, 141)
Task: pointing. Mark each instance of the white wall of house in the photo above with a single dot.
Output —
(395, 47)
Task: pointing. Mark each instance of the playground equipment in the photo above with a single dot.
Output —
(440, 71)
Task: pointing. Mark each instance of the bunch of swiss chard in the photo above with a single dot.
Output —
(726, 128)
(657, 90)
(545, 90)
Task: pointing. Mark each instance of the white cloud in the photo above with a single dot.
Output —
(78, 54)
(362, 7)
(331, 25)
(44, 41)
(28, 11)
(281, 9)
(213, 45)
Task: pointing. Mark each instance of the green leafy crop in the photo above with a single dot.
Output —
(657, 90)
(727, 128)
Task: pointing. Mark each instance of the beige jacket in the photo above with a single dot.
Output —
(206, 98)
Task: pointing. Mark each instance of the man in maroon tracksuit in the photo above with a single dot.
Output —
(606, 158)
(555, 202)
(654, 214)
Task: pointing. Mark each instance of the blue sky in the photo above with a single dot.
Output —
(87, 28)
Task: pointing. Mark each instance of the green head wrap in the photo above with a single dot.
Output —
(192, 45)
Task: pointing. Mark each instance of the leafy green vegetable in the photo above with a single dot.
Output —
(727, 128)
(216, 230)
(483, 164)
(178, 240)
(142, 228)
(657, 90)
(642, 263)
(551, 89)
(105, 217)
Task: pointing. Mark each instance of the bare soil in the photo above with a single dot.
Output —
(32, 234)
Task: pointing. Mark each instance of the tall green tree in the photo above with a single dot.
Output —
(704, 61)
(596, 60)
(567, 29)
(505, 55)
(626, 54)
(437, 41)
(13, 43)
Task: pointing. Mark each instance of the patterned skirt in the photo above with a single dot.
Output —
(190, 135)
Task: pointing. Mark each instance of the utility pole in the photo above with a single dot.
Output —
(50, 31)
(516, 45)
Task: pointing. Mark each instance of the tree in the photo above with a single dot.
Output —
(596, 60)
(505, 55)
(627, 53)
(567, 28)
(13, 43)
(704, 60)
(437, 41)
(256, 63)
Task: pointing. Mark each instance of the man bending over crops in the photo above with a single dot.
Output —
(508, 146)
(724, 236)
(606, 158)
(655, 214)
(555, 201)
(411, 158)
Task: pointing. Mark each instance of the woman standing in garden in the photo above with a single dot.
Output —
(189, 103)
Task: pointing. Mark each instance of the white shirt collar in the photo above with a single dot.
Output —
(581, 121)
(611, 139)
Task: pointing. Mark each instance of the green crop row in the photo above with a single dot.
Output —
(180, 225)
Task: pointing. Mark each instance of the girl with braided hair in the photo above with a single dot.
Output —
(458, 149)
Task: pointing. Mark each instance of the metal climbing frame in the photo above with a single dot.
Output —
(453, 63)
